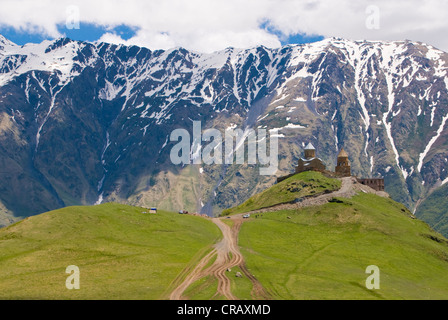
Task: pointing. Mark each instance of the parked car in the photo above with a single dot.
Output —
(246, 216)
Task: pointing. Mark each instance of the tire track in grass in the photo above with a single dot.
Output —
(228, 256)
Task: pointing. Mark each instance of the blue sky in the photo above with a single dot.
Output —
(87, 32)
(91, 32)
(292, 38)
(211, 25)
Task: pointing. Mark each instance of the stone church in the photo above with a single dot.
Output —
(310, 162)
(343, 164)
(343, 168)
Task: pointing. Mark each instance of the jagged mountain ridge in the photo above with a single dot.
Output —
(83, 122)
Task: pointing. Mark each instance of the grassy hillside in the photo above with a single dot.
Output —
(318, 252)
(434, 210)
(322, 252)
(300, 185)
(121, 252)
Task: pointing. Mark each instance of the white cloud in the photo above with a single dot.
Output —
(209, 25)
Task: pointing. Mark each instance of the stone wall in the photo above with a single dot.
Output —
(374, 183)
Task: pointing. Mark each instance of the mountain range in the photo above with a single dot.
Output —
(84, 123)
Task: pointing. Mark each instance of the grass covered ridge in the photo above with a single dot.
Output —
(121, 252)
(322, 252)
(301, 185)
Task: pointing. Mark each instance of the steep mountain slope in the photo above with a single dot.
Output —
(82, 123)
(434, 210)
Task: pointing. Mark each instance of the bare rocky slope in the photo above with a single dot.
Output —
(82, 123)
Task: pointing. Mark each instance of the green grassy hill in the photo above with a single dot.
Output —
(121, 252)
(318, 252)
(322, 252)
(301, 185)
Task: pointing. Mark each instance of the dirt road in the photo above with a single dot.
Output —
(228, 256)
(349, 188)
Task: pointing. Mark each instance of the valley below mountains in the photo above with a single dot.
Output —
(85, 123)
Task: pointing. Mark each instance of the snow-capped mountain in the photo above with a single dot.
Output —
(82, 123)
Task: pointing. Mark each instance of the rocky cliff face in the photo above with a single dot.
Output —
(82, 123)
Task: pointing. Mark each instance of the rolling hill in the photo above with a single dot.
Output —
(121, 252)
(322, 252)
(301, 185)
(310, 252)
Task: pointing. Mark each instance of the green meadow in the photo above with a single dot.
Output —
(318, 252)
(322, 252)
(121, 252)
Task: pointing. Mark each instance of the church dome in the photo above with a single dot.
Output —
(343, 154)
(309, 147)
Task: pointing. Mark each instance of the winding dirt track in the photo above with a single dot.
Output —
(349, 188)
(228, 256)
